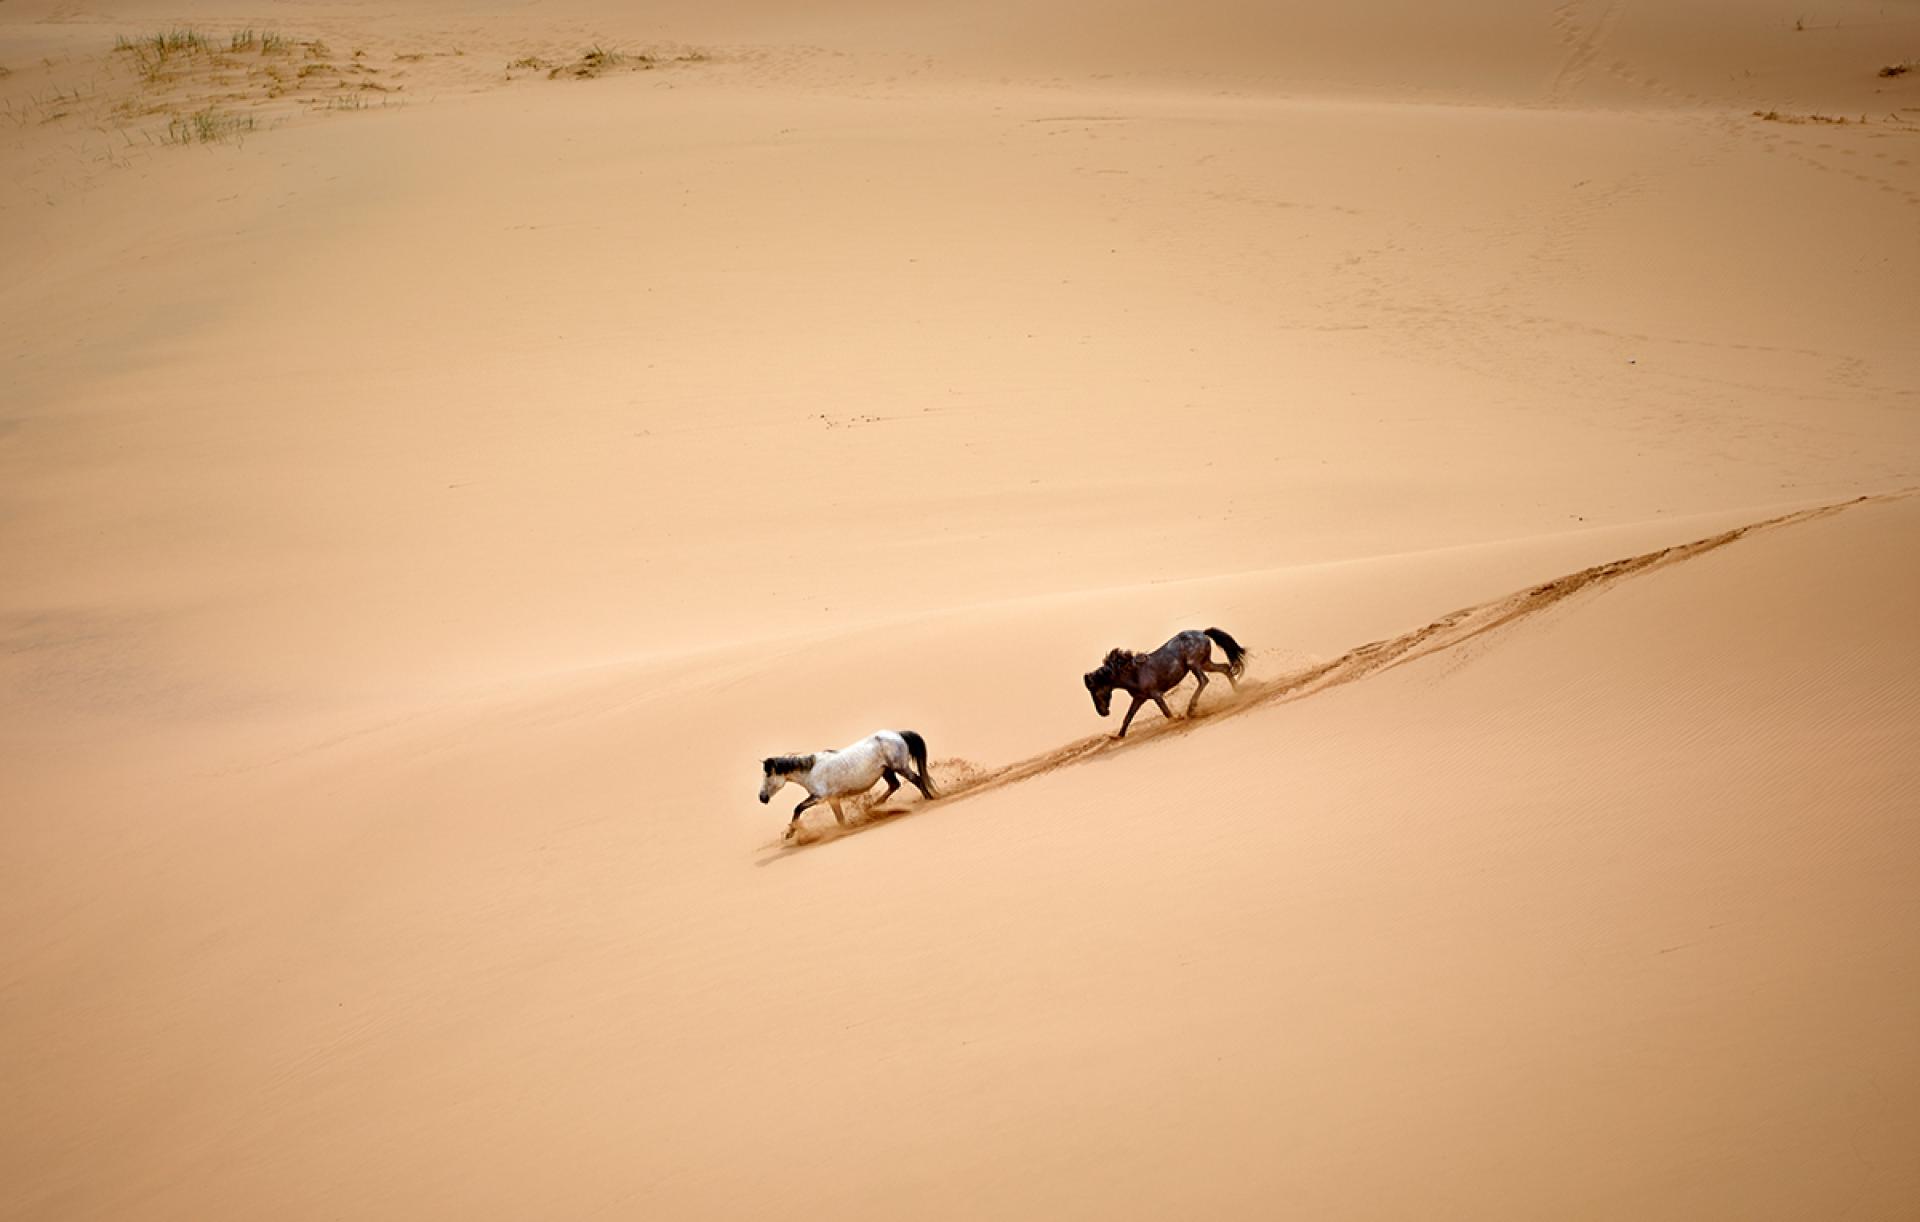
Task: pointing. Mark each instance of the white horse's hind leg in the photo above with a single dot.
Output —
(902, 760)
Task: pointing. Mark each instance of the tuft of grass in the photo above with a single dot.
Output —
(274, 43)
(179, 42)
(207, 126)
(1900, 69)
(154, 54)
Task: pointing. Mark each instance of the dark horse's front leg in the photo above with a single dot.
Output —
(1140, 698)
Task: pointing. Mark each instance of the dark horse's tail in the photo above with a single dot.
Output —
(918, 747)
(1236, 654)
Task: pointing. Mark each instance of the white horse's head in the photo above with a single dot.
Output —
(779, 770)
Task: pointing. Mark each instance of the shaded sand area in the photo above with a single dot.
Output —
(442, 452)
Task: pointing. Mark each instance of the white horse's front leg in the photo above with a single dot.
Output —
(793, 824)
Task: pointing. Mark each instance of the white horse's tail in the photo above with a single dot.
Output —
(917, 746)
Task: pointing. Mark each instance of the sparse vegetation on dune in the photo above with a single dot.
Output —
(172, 53)
(186, 85)
(1900, 69)
(194, 81)
(598, 61)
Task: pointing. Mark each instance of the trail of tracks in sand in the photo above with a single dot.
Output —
(1448, 632)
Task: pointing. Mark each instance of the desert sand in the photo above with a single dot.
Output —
(444, 447)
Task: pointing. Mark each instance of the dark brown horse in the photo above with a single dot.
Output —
(1146, 676)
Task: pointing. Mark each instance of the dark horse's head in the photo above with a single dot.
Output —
(1102, 679)
(1100, 686)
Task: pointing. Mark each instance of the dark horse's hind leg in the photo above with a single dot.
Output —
(1200, 677)
(1221, 668)
(1199, 673)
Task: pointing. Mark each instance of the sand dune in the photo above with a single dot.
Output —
(441, 451)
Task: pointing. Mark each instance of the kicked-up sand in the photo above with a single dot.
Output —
(443, 448)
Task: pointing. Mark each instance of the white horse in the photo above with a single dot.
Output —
(829, 776)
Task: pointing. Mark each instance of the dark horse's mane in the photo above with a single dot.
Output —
(1114, 665)
(786, 763)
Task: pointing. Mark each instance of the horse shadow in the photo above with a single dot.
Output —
(816, 837)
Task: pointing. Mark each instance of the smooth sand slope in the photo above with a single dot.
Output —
(423, 502)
